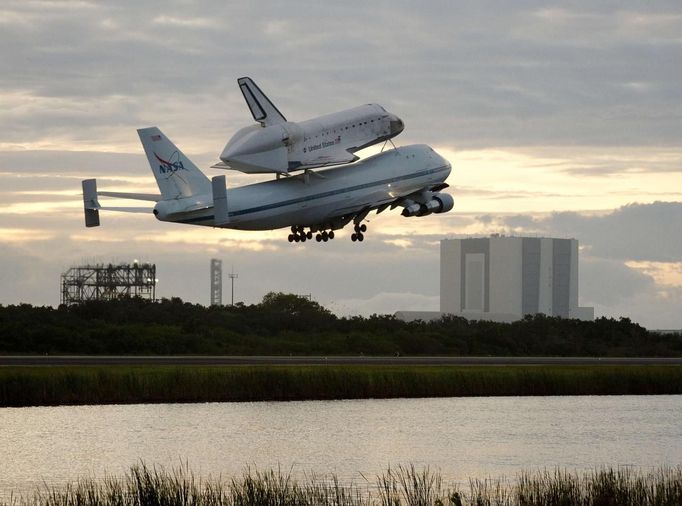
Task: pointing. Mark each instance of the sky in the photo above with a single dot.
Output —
(560, 119)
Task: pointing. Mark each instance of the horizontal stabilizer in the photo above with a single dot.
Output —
(260, 106)
(90, 204)
(132, 196)
(220, 212)
(146, 210)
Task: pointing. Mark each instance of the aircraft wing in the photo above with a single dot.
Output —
(259, 104)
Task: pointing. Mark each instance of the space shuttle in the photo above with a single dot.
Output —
(275, 145)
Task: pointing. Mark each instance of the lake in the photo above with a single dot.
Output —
(461, 437)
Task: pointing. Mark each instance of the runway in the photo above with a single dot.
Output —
(190, 360)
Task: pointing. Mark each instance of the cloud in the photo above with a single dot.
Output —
(573, 108)
(611, 282)
(640, 232)
(518, 77)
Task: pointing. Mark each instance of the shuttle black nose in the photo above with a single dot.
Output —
(397, 125)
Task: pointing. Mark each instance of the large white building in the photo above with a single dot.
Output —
(505, 278)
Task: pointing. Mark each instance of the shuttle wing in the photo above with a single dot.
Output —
(336, 157)
(261, 108)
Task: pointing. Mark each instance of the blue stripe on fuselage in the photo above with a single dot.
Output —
(322, 195)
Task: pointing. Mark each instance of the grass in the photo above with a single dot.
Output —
(143, 486)
(34, 386)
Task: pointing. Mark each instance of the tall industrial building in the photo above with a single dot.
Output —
(504, 278)
(216, 282)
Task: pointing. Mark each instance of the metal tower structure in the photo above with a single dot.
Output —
(216, 282)
(232, 277)
(108, 282)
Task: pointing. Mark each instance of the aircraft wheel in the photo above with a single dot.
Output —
(291, 237)
(293, 229)
(363, 228)
(331, 234)
(361, 237)
(318, 237)
(304, 238)
(325, 235)
(296, 238)
(309, 234)
(354, 237)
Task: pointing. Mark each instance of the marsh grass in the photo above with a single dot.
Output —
(404, 485)
(33, 386)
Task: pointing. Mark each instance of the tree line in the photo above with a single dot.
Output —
(284, 324)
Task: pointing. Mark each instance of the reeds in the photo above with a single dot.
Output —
(405, 485)
(31, 386)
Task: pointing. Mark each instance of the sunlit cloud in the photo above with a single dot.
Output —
(39, 208)
(664, 273)
(19, 235)
(186, 22)
(401, 243)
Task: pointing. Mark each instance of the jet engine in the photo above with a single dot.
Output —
(439, 203)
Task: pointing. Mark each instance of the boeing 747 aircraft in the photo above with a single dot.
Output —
(312, 203)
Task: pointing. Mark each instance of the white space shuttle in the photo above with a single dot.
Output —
(276, 145)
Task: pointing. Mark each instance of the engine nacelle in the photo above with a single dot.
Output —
(412, 209)
(439, 203)
(445, 202)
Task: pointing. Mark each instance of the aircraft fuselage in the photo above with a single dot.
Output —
(322, 198)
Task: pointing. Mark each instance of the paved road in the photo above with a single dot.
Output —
(54, 360)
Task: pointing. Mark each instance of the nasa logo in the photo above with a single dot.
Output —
(172, 165)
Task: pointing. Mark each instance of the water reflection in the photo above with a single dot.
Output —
(462, 437)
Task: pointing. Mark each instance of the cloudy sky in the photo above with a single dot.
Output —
(560, 119)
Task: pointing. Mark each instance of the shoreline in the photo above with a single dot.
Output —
(86, 385)
(401, 485)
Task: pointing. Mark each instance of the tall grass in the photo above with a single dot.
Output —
(32, 386)
(406, 485)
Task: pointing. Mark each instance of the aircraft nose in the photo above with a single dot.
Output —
(397, 125)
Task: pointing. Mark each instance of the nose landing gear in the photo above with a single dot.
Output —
(358, 235)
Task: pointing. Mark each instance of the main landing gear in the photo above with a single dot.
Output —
(324, 236)
(358, 234)
(298, 234)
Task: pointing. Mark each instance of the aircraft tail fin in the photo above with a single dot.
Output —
(90, 203)
(175, 174)
(261, 108)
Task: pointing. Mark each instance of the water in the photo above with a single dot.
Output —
(462, 437)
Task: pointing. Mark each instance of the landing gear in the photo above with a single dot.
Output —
(298, 234)
(358, 234)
